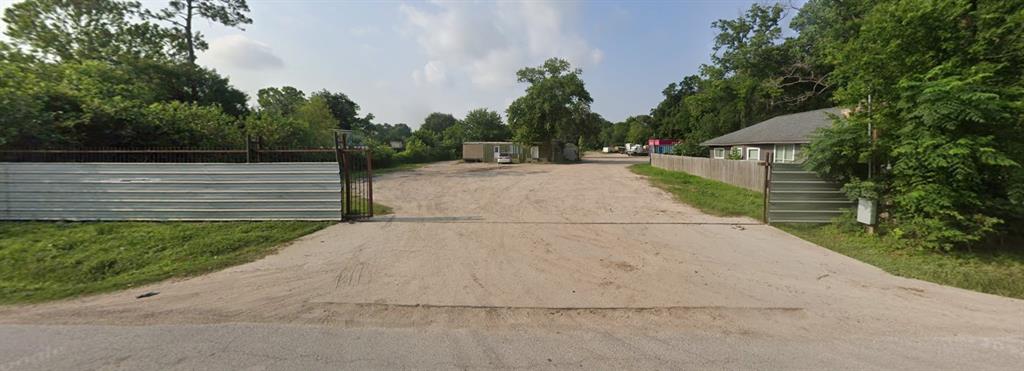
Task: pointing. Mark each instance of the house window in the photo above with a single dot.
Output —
(785, 152)
(754, 154)
(719, 153)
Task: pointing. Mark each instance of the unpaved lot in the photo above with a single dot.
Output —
(553, 249)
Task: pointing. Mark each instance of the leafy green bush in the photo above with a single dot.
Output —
(690, 148)
(416, 151)
(202, 126)
(734, 154)
(383, 155)
(945, 80)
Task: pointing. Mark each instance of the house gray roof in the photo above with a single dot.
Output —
(791, 128)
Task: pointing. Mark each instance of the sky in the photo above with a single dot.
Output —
(402, 60)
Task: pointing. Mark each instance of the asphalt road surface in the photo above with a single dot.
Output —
(528, 266)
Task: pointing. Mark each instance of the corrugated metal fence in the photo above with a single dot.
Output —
(800, 196)
(747, 174)
(170, 191)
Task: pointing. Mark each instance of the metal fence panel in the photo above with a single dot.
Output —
(800, 196)
(170, 191)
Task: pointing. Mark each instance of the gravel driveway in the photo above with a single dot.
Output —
(547, 250)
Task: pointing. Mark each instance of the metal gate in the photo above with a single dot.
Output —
(795, 195)
(355, 170)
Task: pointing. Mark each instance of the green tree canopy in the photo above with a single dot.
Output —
(285, 100)
(344, 109)
(945, 80)
(437, 122)
(85, 29)
(484, 125)
(641, 128)
(556, 104)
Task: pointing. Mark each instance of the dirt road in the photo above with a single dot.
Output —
(546, 249)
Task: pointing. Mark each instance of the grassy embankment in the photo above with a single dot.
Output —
(994, 271)
(51, 260)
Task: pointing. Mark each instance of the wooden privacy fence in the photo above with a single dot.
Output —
(747, 174)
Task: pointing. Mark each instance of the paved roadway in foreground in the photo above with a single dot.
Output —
(269, 346)
(528, 266)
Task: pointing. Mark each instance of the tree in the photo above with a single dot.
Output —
(945, 85)
(556, 104)
(66, 30)
(344, 109)
(397, 132)
(640, 129)
(182, 13)
(175, 123)
(484, 125)
(175, 82)
(283, 101)
(755, 74)
(293, 121)
(437, 122)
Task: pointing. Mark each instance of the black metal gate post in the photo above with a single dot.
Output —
(369, 182)
(339, 157)
(355, 179)
(252, 149)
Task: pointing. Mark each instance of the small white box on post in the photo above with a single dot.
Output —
(867, 211)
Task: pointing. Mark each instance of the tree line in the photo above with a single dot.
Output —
(940, 84)
(106, 73)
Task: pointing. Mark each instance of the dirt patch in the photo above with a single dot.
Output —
(619, 265)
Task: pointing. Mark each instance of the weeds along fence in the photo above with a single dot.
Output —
(747, 174)
(186, 184)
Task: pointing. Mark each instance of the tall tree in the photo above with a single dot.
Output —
(69, 30)
(640, 129)
(344, 109)
(556, 104)
(285, 100)
(437, 122)
(483, 124)
(182, 14)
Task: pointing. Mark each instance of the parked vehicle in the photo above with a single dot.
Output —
(504, 158)
(636, 149)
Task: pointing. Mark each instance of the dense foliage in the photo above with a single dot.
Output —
(755, 74)
(105, 73)
(946, 81)
(947, 105)
(556, 105)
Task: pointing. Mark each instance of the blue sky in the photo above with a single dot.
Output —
(403, 60)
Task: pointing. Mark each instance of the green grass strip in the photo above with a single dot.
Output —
(710, 196)
(994, 271)
(51, 260)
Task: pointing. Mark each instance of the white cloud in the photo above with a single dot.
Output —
(244, 53)
(484, 44)
(432, 73)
